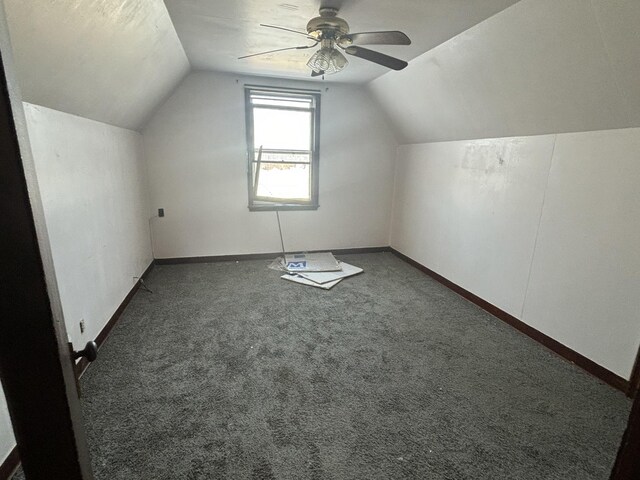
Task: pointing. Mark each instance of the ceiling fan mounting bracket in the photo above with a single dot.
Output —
(328, 12)
(327, 25)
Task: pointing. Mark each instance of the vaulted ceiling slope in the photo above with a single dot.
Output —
(216, 32)
(540, 66)
(108, 60)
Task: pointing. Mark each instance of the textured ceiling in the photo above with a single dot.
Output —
(215, 32)
(107, 60)
(542, 66)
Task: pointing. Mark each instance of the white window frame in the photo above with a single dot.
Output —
(257, 203)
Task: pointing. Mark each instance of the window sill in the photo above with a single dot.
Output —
(272, 207)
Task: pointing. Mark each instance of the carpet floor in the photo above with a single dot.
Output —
(226, 371)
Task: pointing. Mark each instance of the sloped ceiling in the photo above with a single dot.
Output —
(216, 32)
(107, 60)
(540, 66)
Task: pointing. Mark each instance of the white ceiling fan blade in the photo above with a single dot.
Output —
(302, 47)
(288, 30)
(393, 37)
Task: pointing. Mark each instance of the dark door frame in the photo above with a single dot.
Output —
(634, 381)
(627, 465)
(35, 362)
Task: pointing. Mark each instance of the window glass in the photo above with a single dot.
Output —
(284, 181)
(281, 129)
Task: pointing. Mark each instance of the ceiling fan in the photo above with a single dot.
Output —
(332, 34)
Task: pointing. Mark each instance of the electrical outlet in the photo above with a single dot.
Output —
(82, 326)
(161, 212)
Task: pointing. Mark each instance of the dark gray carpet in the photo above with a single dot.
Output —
(227, 371)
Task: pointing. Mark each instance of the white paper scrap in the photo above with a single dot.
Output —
(311, 262)
(304, 281)
(324, 277)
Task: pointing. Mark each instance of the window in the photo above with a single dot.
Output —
(282, 141)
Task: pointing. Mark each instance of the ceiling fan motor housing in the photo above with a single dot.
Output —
(328, 25)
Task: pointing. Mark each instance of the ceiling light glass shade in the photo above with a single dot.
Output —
(327, 60)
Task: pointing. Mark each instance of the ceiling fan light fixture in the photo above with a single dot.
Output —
(327, 60)
(339, 60)
(319, 61)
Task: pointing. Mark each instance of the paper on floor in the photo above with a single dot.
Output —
(325, 277)
(311, 262)
(278, 264)
(304, 281)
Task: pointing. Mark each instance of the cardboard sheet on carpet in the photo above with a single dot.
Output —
(298, 279)
(326, 277)
(311, 262)
(324, 280)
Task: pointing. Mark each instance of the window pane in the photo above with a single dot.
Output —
(284, 156)
(281, 129)
(286, 181)
(279, 102)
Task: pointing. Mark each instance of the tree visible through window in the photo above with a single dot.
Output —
(282, 140)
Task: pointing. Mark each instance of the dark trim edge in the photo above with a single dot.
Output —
(634, 381)
(82, 365)
(627, 464)
(10, 465)
(558, 348)
(262, 256)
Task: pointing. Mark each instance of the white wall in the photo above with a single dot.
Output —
(462, 213)
(195, 149)
(538, 67)
(585, 288)
(91, 178)
(544, 227)
(108, 60)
